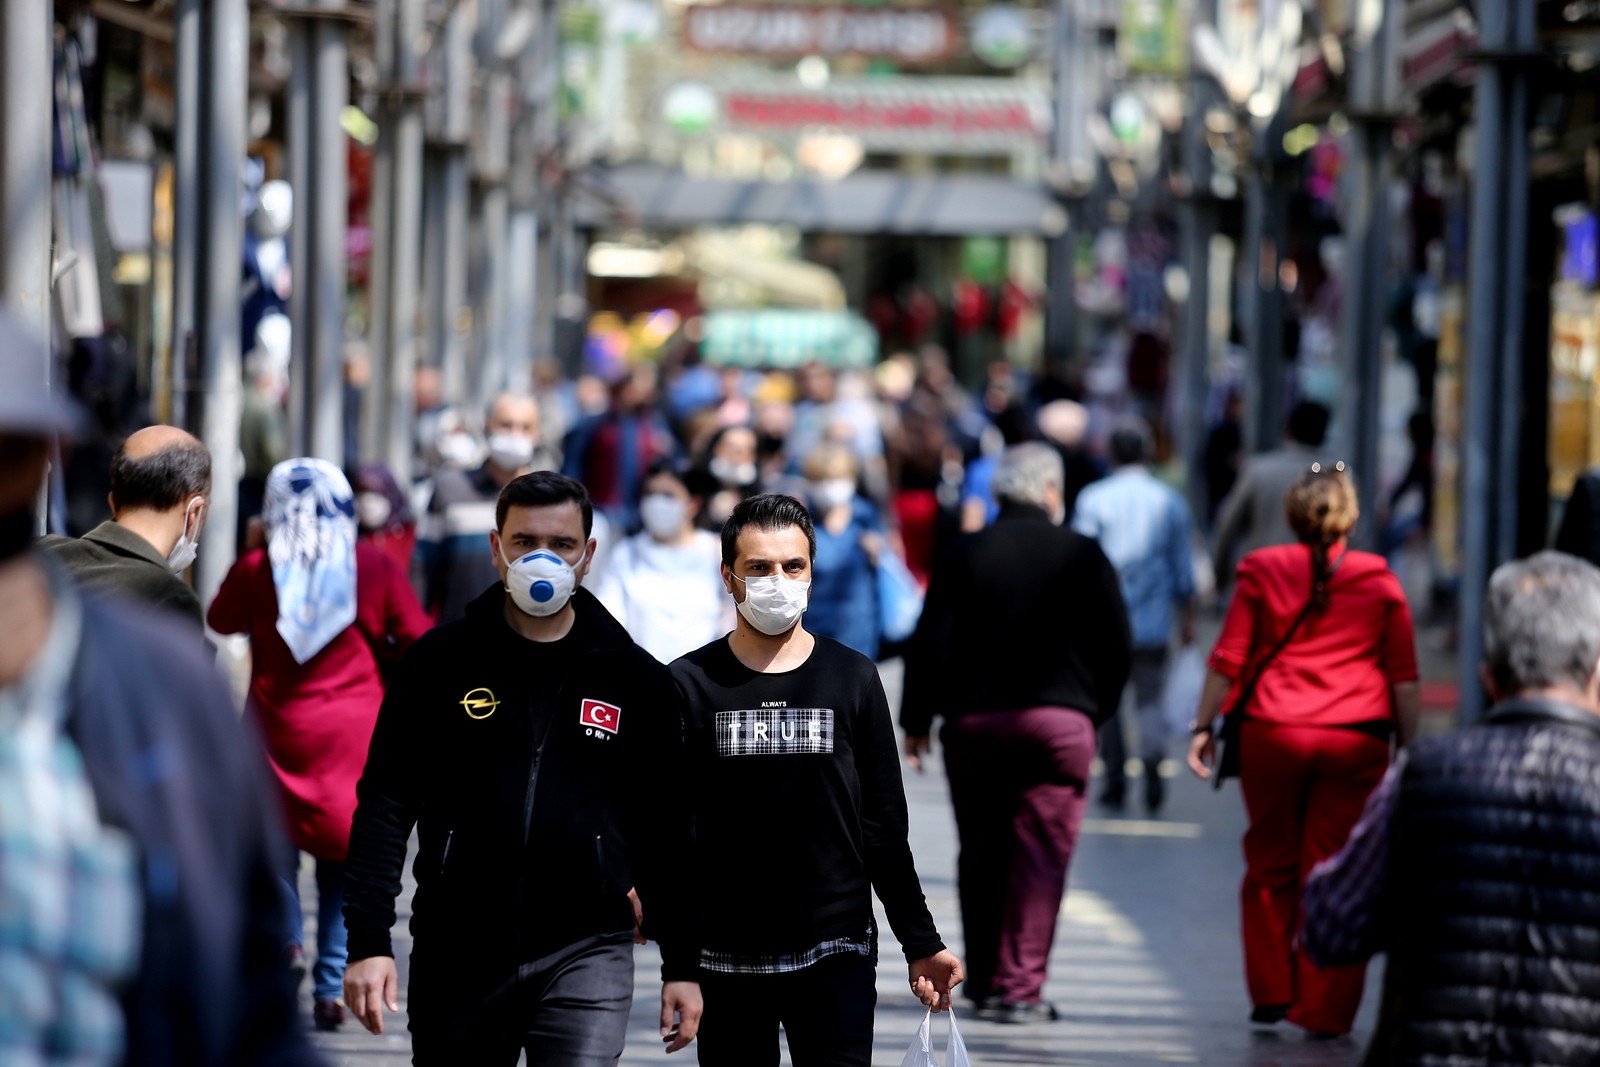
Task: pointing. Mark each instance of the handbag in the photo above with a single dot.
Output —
(1233, 719)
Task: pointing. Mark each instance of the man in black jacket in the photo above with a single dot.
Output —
(1024, 648)
(138, 835)
(1476, 865)
(800, 814)
(534, 746)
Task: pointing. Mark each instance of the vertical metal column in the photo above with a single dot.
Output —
(1061, 320)
(302, 261)
(380, 298)
(1486, 285)
(1514, 212)
(223, 139)
(188, 94)
(1197, 224)
(446, 205)
(1266, 223)
(330, 215)
(1366, 272)
(491, 205)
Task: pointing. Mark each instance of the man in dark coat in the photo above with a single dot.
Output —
(138, 847)
(160, 489)
(1476, 865)
(1024, 649)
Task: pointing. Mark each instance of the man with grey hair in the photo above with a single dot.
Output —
(1476, 865)
(1023, 648)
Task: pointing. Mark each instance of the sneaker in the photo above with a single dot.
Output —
(1268, 1014)
(987, 1008)
(1155, 790)
(327, 1015)
(297, 963)
(1112, 798)
(1037, 1011)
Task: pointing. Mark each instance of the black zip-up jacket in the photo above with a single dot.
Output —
(524, 847)
(1024, 614)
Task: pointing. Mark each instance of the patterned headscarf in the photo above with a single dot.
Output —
(311, 541)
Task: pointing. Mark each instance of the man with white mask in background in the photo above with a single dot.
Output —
(461, 507)
(160, 489)
(664, 584)
(800, 815)
(535, 748)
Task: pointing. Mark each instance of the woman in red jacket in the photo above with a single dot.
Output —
(1316, 734)
(321, 611)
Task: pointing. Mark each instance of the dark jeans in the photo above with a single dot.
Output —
(826, 1010)
(1017, 780)
(568, 1009)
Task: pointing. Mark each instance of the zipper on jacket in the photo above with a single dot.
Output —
(600, 860)
(444, 857)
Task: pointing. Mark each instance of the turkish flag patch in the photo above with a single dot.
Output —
(601, 716)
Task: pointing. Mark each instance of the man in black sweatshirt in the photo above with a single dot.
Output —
(799, 815)
(1024, 648)
(533, 745)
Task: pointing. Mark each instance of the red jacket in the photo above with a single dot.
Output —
(1339, 666)
(316, 718)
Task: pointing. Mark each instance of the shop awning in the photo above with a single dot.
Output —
(787, 339)
(954, 205)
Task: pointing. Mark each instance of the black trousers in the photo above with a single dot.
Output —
(825, 1010)
(568, 1009)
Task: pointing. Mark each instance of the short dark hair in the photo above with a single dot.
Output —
(1130, 442)
(162, 480)
(1308, 423)
(542, 489)
(766, 511)
(668, 466)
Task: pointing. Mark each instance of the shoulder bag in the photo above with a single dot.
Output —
(1233, 719)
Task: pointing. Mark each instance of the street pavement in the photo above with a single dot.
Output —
(1146, 968)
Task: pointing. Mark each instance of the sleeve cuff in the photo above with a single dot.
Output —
(923, 949)
(361, 946)
(680, 964)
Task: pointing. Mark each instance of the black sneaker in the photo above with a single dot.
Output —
(1269, 1014)
(1155, 790)
(1112, 798)
(1037, 1011)
(987, 1008)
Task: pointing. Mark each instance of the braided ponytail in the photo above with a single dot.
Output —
(1321, 509)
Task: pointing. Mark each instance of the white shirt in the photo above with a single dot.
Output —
(669, 597)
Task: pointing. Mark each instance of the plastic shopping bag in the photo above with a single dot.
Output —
(1186, 676)
(920, 1054)
(899, 598)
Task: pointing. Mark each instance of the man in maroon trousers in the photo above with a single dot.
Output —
(1023, 648)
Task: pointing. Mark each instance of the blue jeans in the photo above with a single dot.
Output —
(327, 974)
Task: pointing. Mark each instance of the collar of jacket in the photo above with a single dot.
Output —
(1534, 709)
(123, 540)
(1012, 509)
(609, 634)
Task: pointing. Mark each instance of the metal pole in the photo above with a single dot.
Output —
(1484, 336)
(380, 279)
(1197, 222)
(1060, 324)
(1514, 217)
(302, 300)
(404, 266)
(226, 68)
(449, 300)
(186, 195)
(330, 216)
(1266, 222)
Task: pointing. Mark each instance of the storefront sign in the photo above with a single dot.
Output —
(904, 35)
(931, 114)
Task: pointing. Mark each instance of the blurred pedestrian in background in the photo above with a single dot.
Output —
(1023, 649)
(138, 840)
(1142, 525)
(263, 432)
(453, 542)
(850, 537)
(383, 514)
(1064, 425)
(323, 612)
(726, 474)
(1318, 657)
(160, 489)
(1475, 865)
(1252, 516)
(664, 583)
(610, 452)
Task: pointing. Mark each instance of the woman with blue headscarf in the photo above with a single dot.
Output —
(322, 610)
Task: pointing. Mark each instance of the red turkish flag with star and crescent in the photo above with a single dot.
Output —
(601, 716)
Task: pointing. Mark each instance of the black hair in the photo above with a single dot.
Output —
(1130, 443)
(668, 466)
(767, 511)
(165, 479)
(1308, 423)
(542, 489)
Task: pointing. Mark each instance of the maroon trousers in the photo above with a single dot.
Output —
(1017, 782)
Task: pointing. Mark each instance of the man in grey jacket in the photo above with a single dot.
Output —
(1252, 516)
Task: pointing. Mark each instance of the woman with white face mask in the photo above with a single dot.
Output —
(664, 582)
(850, 535)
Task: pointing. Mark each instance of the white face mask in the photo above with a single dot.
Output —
(728, 472)
(540, 583)
(663, 516)
(372, 510)
(773, 603)
(183, 554)
(832, 493)
(510, 451)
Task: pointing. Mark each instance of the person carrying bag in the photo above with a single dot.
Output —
(1321, 685)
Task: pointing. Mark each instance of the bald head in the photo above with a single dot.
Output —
(159, 468)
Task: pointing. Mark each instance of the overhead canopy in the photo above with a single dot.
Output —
(786, 339)
(954, 205)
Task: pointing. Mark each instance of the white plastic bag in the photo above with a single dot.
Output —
(920, 1054)
(1186, 676)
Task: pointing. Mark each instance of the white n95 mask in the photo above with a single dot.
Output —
(540, 583)
(183, 554)
(773, 603)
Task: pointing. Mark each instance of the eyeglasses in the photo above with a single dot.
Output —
(1319, 468)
